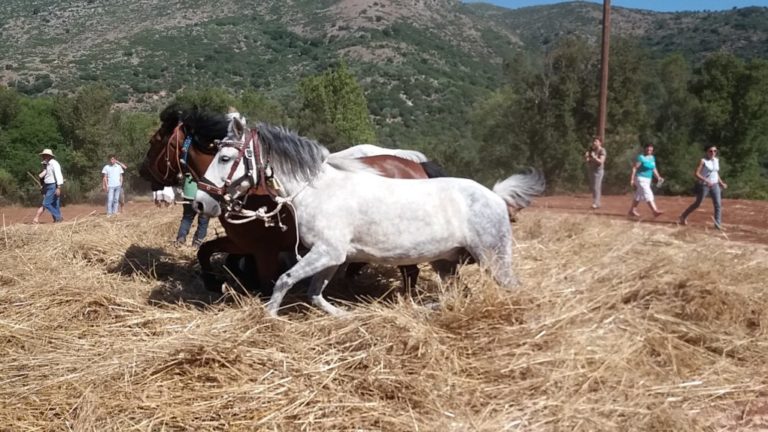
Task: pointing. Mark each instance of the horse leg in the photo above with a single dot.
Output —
(268, 267)
(317, 259)
(204, 253)
(410, 274)
(499, 264)
(316, 287)
(354, 268)
(243, 268)
(445, 269)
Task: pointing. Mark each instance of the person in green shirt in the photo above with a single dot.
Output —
(189, 190)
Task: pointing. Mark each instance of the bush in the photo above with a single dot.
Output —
(9, 190)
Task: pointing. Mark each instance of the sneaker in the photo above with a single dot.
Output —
(682, 221)
(196, 244)
(657, 213)
(633, 213)
(595, 206)
(179, 242)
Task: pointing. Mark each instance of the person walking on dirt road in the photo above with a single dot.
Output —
(595, 159)
(643, 172)
(708, 182)
(112, 183)
(52, 179)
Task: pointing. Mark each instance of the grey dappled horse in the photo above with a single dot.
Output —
(346, 212)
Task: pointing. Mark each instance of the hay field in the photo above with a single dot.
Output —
(618, 326)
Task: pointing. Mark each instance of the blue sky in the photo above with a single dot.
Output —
(656, 5)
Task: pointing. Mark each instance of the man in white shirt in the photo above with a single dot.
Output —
(112, 183)
(52, 179)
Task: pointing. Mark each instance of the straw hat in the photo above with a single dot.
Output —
(46, 152)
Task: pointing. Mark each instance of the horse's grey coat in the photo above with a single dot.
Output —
(345, 213)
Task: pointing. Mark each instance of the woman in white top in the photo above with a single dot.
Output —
(708, 182)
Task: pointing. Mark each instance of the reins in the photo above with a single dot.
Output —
(258, 175)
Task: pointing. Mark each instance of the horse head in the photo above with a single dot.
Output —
(237, 170)
(184, 143)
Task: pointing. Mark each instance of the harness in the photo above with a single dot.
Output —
(257, 179)
(181, 153)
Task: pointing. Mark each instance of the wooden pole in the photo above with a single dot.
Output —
(603, 105)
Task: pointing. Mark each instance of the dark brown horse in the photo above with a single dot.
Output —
(185, 142)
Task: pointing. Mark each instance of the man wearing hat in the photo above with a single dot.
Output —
(52, 181)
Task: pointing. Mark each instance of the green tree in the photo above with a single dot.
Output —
(542, 118)
(733, 114)
(84, 121)
(675, 123)
(33, 129)
(132, 131)
(214, 99)
(334, 109)
(9, 106)
(257, 107)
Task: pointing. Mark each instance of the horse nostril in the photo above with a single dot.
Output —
(200, 207)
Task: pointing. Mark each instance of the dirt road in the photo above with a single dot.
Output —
(743, 220)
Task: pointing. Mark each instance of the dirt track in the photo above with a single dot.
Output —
(743, 220)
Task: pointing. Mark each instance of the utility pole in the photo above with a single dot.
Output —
(603, 106)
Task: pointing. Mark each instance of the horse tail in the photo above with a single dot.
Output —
(519, 189)
(433, 169)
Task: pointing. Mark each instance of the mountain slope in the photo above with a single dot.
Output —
(422, 62)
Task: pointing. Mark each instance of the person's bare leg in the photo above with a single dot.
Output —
(38, 213)
(633, 209)
(654, 209)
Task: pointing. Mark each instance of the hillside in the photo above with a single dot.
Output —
(422, 62)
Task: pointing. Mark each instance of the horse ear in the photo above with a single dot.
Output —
(239, 127)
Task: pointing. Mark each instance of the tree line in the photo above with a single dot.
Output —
(543, 116)
(546, 114)
(84, 129)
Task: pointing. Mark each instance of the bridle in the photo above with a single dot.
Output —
(179, 144)
(257, 178)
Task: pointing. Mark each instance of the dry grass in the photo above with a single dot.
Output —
(618, 326)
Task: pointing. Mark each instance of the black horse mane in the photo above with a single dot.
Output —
(203, 125)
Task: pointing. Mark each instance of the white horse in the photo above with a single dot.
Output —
(346, 213)
(363, 150)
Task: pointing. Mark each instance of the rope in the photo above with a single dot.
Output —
(250, 215)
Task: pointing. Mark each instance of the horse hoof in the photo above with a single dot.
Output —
(212, 283)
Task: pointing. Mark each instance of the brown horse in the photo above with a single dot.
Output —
(185, 142)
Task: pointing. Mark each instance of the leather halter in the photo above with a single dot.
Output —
(178, 144)
(256, 176)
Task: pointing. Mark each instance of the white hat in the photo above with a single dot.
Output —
(46, 152)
